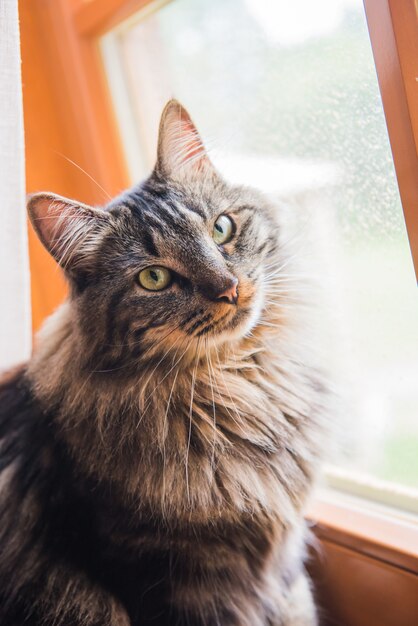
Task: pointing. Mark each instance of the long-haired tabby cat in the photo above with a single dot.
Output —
(158, 448)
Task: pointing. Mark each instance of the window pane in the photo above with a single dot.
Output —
(286, 96)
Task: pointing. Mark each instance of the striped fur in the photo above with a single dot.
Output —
(158, 449)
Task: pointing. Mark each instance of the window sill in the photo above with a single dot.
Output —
(388, 535)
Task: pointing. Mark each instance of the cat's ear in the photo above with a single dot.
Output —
(180, 152)
(70, 231)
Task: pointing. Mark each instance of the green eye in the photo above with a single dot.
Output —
(223, 230)
(154, 278)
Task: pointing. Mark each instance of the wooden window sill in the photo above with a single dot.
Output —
(365, 563)
(378, 531)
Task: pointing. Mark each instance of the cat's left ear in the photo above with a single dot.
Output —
(180, 152)
(69, 230)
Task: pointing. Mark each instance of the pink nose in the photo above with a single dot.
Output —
(230, 293)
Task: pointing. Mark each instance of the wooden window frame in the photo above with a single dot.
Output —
(393, 29)
(54, 93)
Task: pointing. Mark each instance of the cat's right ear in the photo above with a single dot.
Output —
(180, 152)
(70, 231)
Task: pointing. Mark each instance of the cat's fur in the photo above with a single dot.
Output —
(158, 449)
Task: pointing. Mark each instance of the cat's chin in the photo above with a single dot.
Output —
(238, 330)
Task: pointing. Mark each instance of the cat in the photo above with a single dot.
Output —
(158, 449)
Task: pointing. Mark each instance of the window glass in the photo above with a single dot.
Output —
(286, 96)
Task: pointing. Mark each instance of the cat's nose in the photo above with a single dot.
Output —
(230, 293)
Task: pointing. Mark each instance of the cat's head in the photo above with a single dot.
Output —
(177, 261)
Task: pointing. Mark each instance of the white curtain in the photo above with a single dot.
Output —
(15, 318)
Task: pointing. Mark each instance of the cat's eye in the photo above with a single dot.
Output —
(154, 278)
(223, 230)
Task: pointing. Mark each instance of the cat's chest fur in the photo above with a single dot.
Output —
(206, 452)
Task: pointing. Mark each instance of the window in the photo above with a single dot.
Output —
(290, 102)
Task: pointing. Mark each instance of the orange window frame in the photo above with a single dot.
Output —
(68, 111)
(71, 134)
(393, 29)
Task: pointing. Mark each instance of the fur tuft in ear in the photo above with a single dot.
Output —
(181, 152)
(70, 231)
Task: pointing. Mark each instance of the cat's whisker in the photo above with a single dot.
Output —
(289, 260)
(213, 403)
(239, 422)
(147, 402)
(284, 277)
(154, 346)
(163, 493)
(287, 292)
(108, 196)
(136, 361)
(197, 356)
